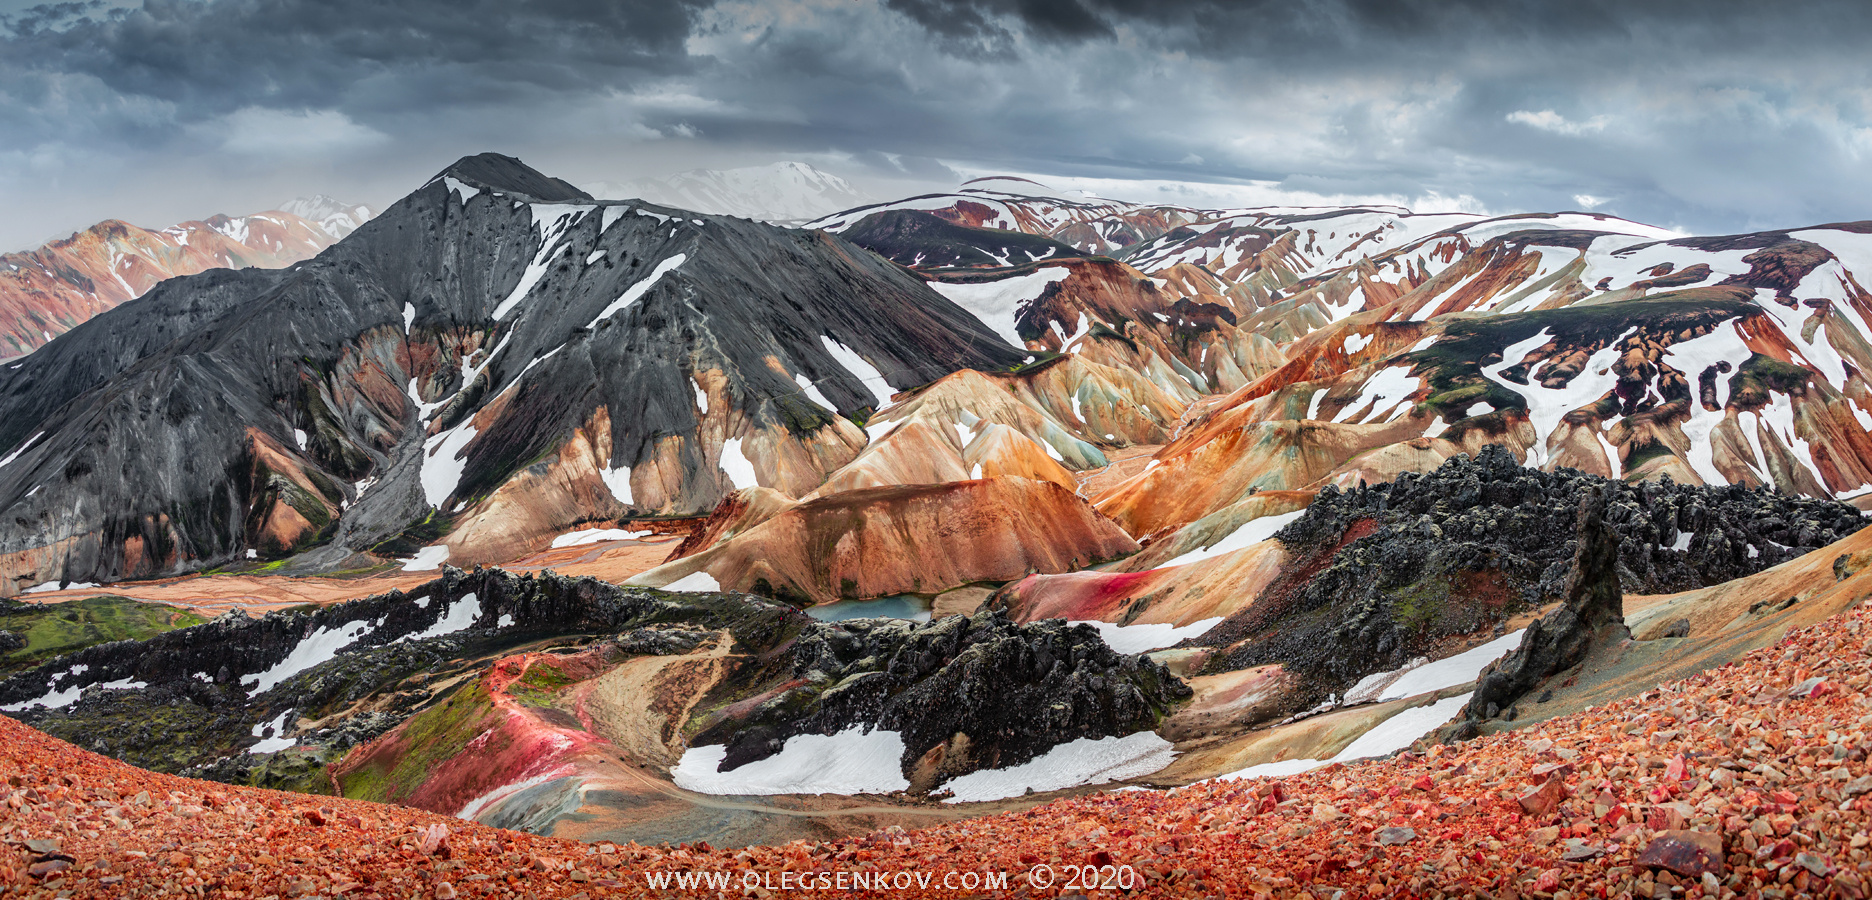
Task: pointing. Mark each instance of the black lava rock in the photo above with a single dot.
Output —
(1384, 573)
(1014, 690)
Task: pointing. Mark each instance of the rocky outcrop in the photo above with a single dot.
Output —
(1592, 614)
(964, 693)
(1378, 575)
(912, 539)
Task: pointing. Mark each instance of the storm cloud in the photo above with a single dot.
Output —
(1707, 117)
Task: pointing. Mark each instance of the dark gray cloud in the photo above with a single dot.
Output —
(1708, 116)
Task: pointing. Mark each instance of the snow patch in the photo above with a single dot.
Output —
(997, 304)
(594, 535)
(694, 581)
(466, 192)
(56, 586)
(1145, 638)
(812, 391)
(554, 223)
(851, 762)
(736, 465)
(618, 480)
(1449, 672)
(1385, 391)
(460, 616)
(1072, 764)
(319, 647)
(1387, 737)
(1251, 532)
(636, 291)
(850, 361)
(57, 699)
(23, 447)
(1547, 406)
(443, 463)
(278, 740)
(428, 559)
(1313, 405)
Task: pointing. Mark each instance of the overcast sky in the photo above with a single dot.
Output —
(1703, 116)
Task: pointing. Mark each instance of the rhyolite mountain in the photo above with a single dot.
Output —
(496, 326)
(46, 291)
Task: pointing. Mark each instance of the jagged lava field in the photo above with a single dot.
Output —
(523, 543)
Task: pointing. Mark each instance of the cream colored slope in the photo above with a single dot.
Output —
(1822, 583)
(1181, 595)
(1069, 406)
(1271, 456)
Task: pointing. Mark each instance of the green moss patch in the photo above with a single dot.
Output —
(426, 741)
(54, 629)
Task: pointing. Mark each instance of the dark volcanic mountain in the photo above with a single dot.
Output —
(497, 356)
(923, 240)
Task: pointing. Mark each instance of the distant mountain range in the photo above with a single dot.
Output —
(47, 291)
(334, 217)
(782, 193)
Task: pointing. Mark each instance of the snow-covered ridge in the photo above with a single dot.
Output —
(335, 217)
(783, 192)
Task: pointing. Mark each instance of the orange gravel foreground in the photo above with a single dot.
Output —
(1745, 781)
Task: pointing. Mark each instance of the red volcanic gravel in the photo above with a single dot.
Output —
(1744, 781)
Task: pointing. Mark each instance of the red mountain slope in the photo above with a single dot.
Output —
(1761, 763)
(44, 292)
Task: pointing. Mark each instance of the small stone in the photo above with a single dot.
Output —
(1578, 850)
(1545, 771)
(43, 845)
(1811, 863)
(1812, 687)
(1687, 853)
(1544, 836)
(47, 868)
(445, 891)
(1542, 800)
(1388, 837)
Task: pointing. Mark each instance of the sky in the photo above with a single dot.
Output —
(1707, 116)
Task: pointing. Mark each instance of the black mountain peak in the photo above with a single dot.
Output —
(507, 175)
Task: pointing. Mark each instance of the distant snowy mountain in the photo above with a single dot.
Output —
(784, 192)
(51, 289)
(334, 217)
